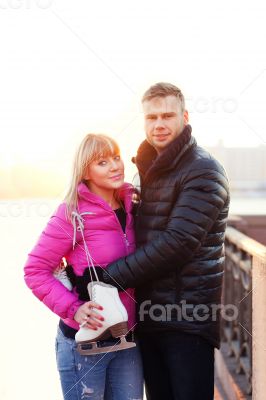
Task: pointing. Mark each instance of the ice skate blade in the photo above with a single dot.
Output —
(123, 345)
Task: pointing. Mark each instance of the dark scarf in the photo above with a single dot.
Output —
(149, 162)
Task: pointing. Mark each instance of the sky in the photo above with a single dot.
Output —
(73, 67)
(69, 68)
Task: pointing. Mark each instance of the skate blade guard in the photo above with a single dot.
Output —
(117, 331)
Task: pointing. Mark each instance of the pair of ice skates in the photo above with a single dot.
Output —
(114, 324)
(114, 312)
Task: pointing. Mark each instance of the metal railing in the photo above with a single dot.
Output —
(245, 264)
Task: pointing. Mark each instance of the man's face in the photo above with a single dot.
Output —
(164, 121)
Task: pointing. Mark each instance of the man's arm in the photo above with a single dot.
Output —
(202, 196)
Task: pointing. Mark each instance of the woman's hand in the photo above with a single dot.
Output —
(87, 317)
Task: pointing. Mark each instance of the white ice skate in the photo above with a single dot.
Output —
(61, 275)
(114, 312)
(114, 324)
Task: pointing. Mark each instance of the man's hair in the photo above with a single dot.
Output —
(163, 89)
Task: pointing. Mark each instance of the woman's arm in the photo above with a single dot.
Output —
(54, 243)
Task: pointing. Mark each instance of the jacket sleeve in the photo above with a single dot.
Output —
(54, 243)
(202, 195)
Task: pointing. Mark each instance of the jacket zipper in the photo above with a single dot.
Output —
(126, 242)
(118, 222)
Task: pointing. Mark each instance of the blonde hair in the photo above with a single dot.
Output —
(92, 148)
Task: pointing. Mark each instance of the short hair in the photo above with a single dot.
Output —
(163, 89)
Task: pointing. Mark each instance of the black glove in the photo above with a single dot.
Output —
(80, 282)
(83, 280)
(102, 274)
(71, 274)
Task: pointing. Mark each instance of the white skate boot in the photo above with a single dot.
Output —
(61, 275)
(115, 321)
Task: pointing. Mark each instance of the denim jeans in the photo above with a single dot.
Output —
(108, 376)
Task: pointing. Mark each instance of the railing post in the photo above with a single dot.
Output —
(259, 328)
(245, 287)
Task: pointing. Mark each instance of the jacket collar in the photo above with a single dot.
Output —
(149, 163)
(125, 194)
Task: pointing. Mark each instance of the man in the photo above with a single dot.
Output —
(177, 269)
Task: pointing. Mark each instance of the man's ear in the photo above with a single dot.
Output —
(186, 117)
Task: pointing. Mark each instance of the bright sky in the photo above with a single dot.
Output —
(73, 67)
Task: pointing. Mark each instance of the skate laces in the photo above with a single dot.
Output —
(76, 217)
(78, 225)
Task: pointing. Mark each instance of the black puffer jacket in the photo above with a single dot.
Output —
(178, 267)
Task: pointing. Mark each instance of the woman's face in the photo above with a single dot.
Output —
(106, 173)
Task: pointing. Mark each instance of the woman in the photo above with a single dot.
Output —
(100, 197)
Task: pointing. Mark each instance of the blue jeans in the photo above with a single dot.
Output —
(107, 376)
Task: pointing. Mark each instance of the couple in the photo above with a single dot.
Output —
(170, 281)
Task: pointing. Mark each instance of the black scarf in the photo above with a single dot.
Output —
(149, 162)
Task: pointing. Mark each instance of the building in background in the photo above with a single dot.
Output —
(246, 167)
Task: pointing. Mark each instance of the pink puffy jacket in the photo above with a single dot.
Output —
(106, 242)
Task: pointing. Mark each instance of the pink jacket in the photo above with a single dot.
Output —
(106, 242)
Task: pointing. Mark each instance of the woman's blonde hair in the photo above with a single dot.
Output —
(92, 148)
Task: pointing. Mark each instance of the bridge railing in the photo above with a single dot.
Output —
(245, 289)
